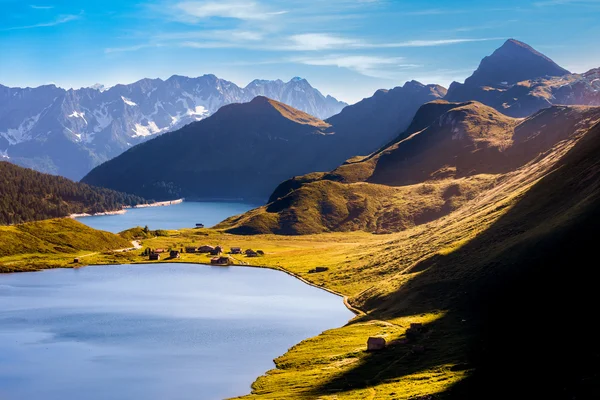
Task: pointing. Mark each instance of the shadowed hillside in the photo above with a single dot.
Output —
(466, 150)
(519, 295)
(499, 286)
(245, 150)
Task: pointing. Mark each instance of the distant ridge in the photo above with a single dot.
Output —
(68, 132)
(245, 150)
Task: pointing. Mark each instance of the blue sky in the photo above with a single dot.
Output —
(347, 48)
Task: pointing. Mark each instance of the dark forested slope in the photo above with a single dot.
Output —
(28, 195)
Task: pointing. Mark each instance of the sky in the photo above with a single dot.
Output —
(346, 48)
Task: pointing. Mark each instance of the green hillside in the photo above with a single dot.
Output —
(505, 289)
(22, 246)
(28, 195)
(465, 151)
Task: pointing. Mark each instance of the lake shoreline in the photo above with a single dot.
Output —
(267, 356)
(357, 312)
(124, 209)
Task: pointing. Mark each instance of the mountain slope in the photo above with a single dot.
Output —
(514, 62)
(62, 238)
(467, 151)
(519, 81)
(27, 195)
(245, 150)
(241, 151)
(68, 132)
(387, 112)
(515, 283)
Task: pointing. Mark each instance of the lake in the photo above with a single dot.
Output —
(154, 332)
(183, 215)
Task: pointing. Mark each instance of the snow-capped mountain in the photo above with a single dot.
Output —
(68, 132)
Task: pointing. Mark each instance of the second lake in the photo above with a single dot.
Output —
(178, 216)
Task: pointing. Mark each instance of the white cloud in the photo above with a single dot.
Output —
(306, 42)
(242, 10)
(131, 48)
(62, 19)
(41, 7)
(322, 41)
(319, 41)
(230, 35)
(374, 66)
(432, 43)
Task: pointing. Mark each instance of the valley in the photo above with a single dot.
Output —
(454, 225)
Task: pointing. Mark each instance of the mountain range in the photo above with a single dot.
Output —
(245, 150)
(68, 132)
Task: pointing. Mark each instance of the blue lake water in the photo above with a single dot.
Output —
(153, 332)
(184, 215)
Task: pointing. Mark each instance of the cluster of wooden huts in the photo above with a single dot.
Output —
(216, 251)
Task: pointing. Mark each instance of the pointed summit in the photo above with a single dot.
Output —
(515, 61)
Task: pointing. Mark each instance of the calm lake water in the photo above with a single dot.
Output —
(168, 331)
(184, 215)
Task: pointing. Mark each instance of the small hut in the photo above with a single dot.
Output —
(76, 260)
(220, 261)
(236, 250)
(205, 249)
(174, 254)
(190, 249)
(375, 344)
(216, 251)
(159, 251)
(251, 253)
(199, 225)
(154, 257)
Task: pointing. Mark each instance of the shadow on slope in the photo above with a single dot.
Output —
(519, 299)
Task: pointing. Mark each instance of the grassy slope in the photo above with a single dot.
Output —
(467, 150)
(49, 243)
(327, 206)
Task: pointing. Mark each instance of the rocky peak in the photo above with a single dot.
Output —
(513, 62)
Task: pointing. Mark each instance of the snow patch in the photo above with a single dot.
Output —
(20, 134)
(77, 135)
(103, 119)
(148, 130)
(78, 115)
(198, 111)
(128, 102)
